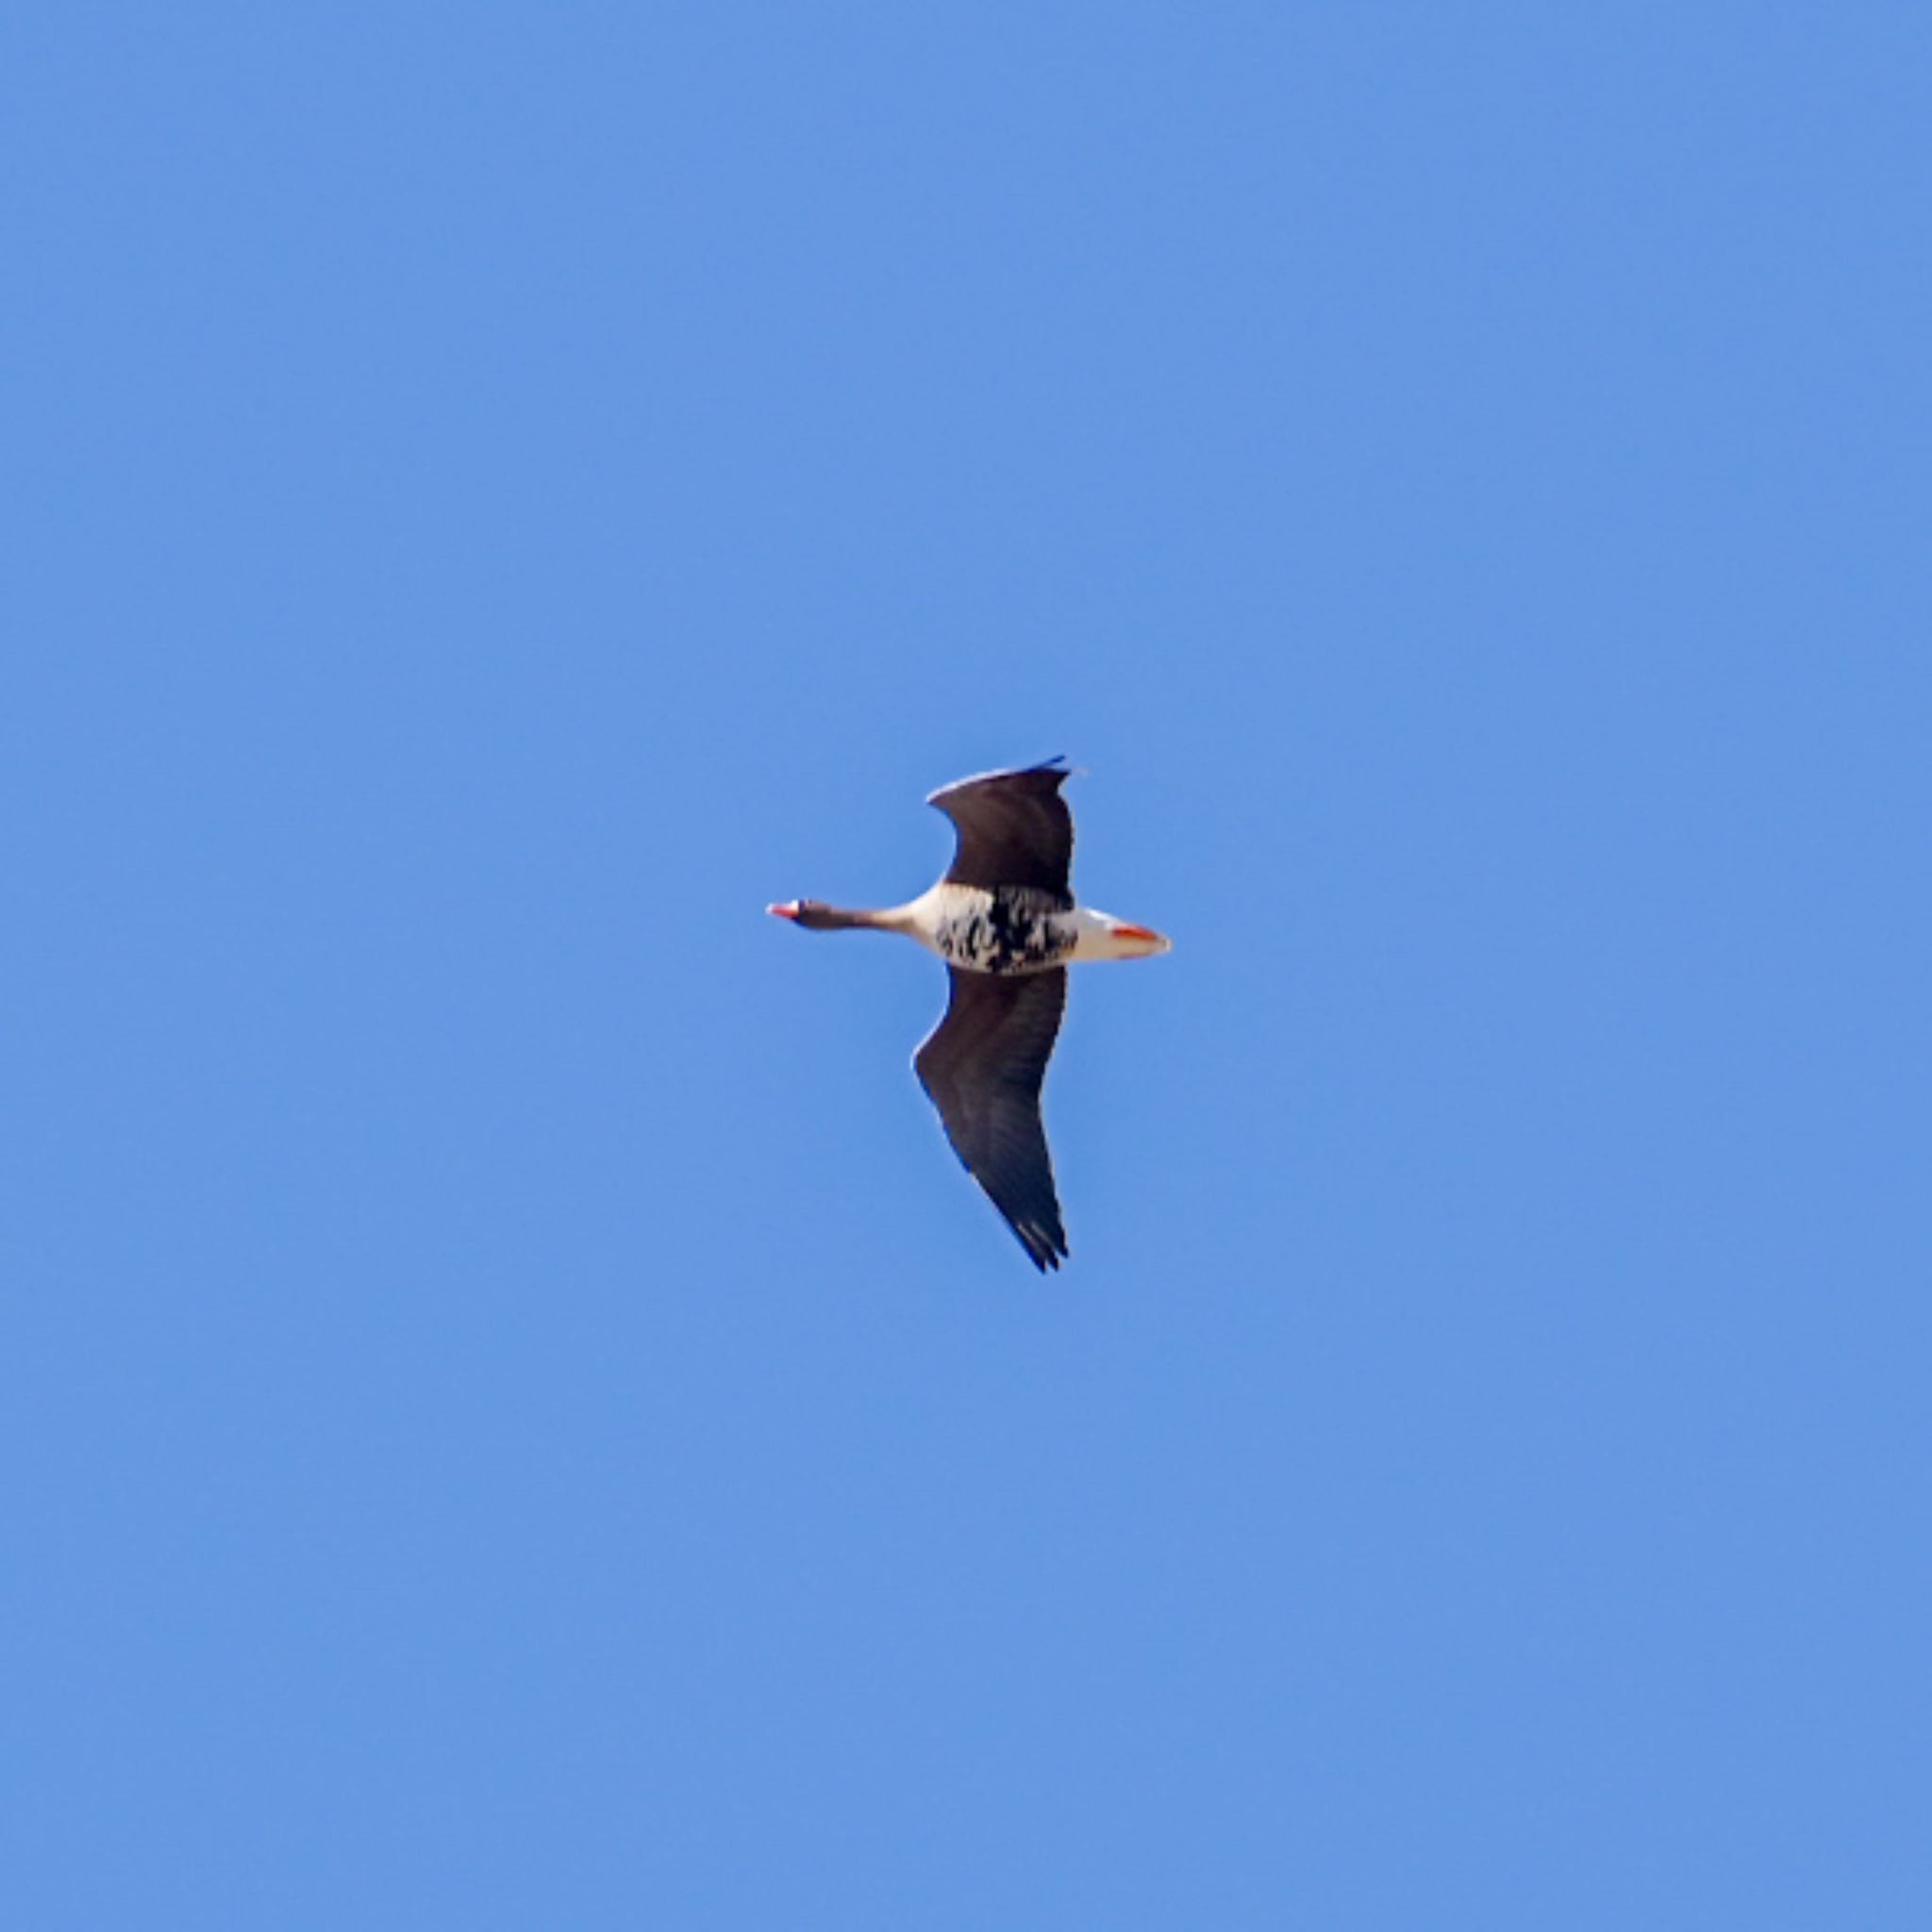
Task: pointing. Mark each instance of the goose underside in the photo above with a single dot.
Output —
(1013, 929)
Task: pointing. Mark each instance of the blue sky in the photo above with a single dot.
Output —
(511, 1415)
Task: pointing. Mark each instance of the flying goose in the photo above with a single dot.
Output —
(1004, 920)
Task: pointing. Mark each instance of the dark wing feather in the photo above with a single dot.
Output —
(982, 1068)
(1014, 829)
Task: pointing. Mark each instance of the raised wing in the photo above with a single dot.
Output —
(982, 1068)
(1014, 828)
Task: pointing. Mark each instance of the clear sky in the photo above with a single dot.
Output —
(511, 1416)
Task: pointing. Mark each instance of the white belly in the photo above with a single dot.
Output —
(1003, 932)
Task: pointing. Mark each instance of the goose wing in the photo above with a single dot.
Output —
(1014, 828)
(982, 1068)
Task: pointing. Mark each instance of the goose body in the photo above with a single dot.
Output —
(1001, 929)
(1005, 922)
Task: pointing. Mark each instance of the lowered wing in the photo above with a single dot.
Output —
(982, 1068)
